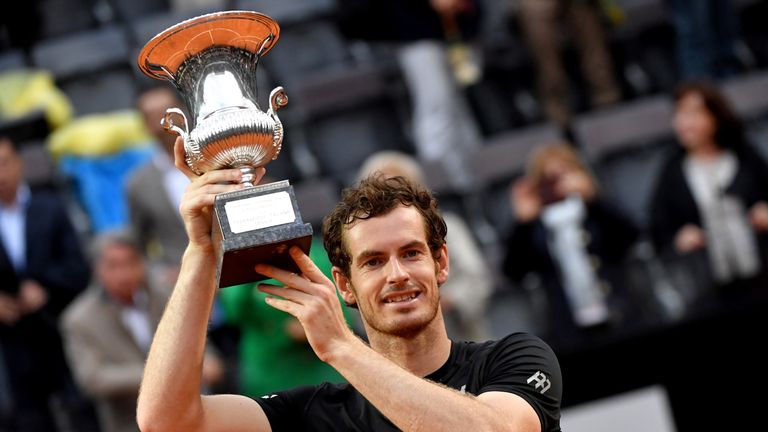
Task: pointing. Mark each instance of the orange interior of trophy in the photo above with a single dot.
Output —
(240, 29)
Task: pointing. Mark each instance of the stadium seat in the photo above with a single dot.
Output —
(12, 59)
(91, 68)
(289, 13)
(626, 146)
(316, 199)
(501, 160)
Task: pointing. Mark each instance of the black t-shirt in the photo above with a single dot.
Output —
(520, 363)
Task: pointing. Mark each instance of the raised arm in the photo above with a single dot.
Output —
(411, 402)
(416, 404)
(170, 398)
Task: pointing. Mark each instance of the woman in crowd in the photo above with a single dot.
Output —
(572, 240)
(712, 194)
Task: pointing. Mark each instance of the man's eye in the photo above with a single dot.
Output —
(372, 262)
(412, 254)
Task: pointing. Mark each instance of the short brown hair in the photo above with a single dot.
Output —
(729, 130)
(374, 196)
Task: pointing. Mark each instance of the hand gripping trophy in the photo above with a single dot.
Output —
(212, 60)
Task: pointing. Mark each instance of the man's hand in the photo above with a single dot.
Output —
(758, 216)
(525, 200)
(311, 298)
(32, 297)
(197, 202)
(9, 309)
(689, 238)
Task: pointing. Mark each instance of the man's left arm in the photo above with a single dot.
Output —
(410, 402)
(416, 404)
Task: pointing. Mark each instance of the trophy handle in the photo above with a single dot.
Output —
(277, 100)
(167, 123)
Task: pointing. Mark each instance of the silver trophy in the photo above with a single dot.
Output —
(212, 60)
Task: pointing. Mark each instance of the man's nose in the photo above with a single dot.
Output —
(397, 272)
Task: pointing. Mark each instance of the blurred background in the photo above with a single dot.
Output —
(602, 162)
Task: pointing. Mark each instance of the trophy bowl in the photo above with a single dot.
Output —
(211, 60)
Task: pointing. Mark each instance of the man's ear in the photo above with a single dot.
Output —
(442, 264)
(344, 286)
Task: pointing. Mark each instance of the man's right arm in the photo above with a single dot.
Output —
(170, 398)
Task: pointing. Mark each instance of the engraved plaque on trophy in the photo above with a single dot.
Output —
(212, 60)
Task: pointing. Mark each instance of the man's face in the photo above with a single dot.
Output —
(10, 171)
(152, 105)
(393, 277)
(120, 269)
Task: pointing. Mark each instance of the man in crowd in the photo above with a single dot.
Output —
(108, 329)
(42, 269)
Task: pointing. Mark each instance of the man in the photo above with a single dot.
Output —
(464, 297)
(540, 22)
(108, 329)
(155, 190)
(432, 40)
(41, 270)
(386, 241)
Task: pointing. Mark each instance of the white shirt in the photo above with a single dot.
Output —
(136, 319)
(731, 242)
(13, 228)
(581, 284)
(174, 181)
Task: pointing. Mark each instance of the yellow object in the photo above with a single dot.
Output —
(465, 70)
(613, 12)
(25, 90)
(99, 134)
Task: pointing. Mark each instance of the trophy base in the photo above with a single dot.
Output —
(257, 225)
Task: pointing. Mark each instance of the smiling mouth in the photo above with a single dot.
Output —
(402, 298)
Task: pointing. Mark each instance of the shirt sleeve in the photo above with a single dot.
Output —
(285, 410)
(526, 366)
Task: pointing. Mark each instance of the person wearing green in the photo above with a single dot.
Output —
(274, 352)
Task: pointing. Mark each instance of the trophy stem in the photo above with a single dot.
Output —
(248, 175)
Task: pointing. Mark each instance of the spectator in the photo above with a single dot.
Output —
(108, 330)
(540, 22)
(155, 190)
(463, 298)
(41, 270)
(712, 194)
(444, 127)
(571, 239)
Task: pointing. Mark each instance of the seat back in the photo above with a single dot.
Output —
(499, 162)
(92, 68)
(626, 146)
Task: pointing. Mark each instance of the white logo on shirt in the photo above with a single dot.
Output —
(541, 380)
(269, 396)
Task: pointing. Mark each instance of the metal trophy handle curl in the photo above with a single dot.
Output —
(212, 60)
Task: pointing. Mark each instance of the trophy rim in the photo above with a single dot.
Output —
(164, 54)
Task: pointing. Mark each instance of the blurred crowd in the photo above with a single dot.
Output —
(600, 164)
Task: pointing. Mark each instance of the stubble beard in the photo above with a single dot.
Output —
(395, 327)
